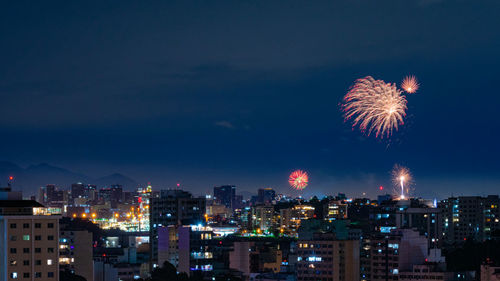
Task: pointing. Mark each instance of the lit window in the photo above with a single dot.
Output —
(26, 237)
(49, 262)
(13, 275)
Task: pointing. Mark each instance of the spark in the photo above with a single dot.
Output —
(402, 181)
(377, 107)
(410, 84)
(298, 179)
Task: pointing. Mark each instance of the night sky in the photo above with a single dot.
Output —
(243, 92)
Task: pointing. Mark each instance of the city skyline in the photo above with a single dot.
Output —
(116, 89)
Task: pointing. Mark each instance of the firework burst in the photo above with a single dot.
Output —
(402, 179)
(377, 107)
(410, 84)
(298, 180)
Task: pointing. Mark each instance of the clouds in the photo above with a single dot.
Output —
(224, 124)
(77, 64)
(179, 83)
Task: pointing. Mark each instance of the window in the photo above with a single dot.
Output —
(49, 262)
(50, 225)
(26, 275)
(26, 225)
(38, 275)
(38, 225)
(13, 238)
(38, 250)
(13, 250)
(50, 237)
(50, 250)
(38, 237)
(26, 250)
(13, 263)
(13, 225)
(26, 237)
(13, 275)
(50, 274)
(26, 262)
(38, 262)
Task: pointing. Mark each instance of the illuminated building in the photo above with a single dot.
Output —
(29, 237)
(263, 218)
(173, 207)
(52, 197)
(470, 217)
(326, 258)
(335, 209)
(75, 251)
(428, 221)
(396, 251)
(188, 248)
(291, 218)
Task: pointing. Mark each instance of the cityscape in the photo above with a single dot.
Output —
(232, 140)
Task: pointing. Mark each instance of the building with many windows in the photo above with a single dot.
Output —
(470, 217)
(291, 218)
(29, 241)
(173, 207)
(188, 248)
(75, 251)
(327, 258)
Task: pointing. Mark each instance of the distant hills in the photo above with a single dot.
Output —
(31, 178)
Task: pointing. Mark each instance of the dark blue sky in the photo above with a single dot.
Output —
(244, 92)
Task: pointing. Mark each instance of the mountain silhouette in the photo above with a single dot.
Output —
(30, 179)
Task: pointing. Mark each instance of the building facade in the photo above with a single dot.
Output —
(29, 241)
(328, 259)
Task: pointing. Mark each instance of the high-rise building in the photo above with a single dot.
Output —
(326, 258)
(266, 195)
(291, 218)
(188, 248)
(396, 251)
(334, 210)
(263, 218)
(225, 195)
(470, 217)
(77, 190)
(75, 251)
(428, 221)
(173, 207)
(29, 241)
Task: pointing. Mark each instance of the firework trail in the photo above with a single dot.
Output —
(298, 180)
(410, 84)
(377, 107)
(402, 180)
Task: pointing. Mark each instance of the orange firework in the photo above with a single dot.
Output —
(410, 84)
(377, 107)
(298, 180)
